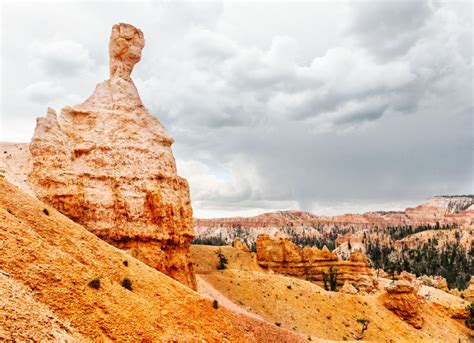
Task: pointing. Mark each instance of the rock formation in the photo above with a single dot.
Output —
(348, 288)
(402, 299)
(108, 165)
(281, 255)
(242, 246)
(438, 282)
(125, 50)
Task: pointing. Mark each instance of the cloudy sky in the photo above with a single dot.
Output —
(329, 107)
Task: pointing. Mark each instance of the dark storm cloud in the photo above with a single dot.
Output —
(263, 115)
(390, 28)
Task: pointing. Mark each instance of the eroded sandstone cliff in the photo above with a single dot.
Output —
(108, 165)
(279, 254)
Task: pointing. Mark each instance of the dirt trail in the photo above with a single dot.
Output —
(206, 289)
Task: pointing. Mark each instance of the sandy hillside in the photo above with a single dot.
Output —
(24, 318)
(308, 309)
(53, 260)
(205, 260)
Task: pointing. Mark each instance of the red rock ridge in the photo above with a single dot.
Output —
(457, 211)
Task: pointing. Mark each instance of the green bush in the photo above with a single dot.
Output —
(45, 211)
(222, 260)
(126, 283)
(94, 283)
(125, 263)
(215, 304)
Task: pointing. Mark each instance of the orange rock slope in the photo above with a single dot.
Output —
(108, 165)
(47, 262)
(283, 256)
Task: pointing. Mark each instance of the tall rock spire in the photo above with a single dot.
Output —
(108, 164)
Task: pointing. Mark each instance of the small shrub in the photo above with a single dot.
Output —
(125, 263)
(94, 283)
(215, 304)
(277, 324)
(9, 211)
(45, 211)
(289, 286)
(126, 283)
(328, 317)
(222, 260)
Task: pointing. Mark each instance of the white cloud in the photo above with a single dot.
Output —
(44, 91)
(273, 106)
(60, 58)
(237, 181)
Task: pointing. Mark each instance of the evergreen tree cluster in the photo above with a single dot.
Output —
(400, 232)
(449, 260)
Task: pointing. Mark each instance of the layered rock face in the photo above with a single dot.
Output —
(279, 254)
(108, 165)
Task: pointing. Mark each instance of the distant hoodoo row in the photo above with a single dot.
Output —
(279, 254)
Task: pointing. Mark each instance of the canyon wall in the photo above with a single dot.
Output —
(108, 165)
(280, 255)
(454, 211)
(445, 210)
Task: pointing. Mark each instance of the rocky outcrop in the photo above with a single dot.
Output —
(280, 255)
(402, 299)
(348, 288)
(438, 282)
(108, 165)
(242, 246)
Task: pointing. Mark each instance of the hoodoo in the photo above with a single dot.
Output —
(281, 255)
(108, 164)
